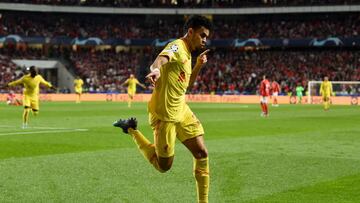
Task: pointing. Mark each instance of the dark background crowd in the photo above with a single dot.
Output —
(165, 27)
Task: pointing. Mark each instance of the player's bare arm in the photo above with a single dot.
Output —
(200, 61)
(154, 74)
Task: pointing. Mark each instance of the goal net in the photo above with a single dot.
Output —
(349, 90)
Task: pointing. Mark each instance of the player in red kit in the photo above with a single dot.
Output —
(264, 94)
(275, 89)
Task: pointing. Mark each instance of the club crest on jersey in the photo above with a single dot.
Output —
(174, 48)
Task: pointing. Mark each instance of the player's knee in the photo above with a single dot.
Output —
(35, 112)
(201, 153)
(165, 163)
(165, 167)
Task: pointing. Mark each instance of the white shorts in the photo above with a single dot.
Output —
(263, 99)
(275, 94)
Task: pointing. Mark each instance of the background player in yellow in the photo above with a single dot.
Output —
(169, 116)
(31, 83)
(78, 83)
(131, 82)
(326, 91)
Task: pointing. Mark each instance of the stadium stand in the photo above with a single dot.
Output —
(232, 70)
(187, 3)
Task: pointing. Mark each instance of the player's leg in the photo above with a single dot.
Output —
(190, 133)
(201, 166)
(160, 154)
(131, 94)
(27, 107)
(78, 100)
(275, 96)
(262, 105)
(35, 106)
(326, 102)
(25, 116)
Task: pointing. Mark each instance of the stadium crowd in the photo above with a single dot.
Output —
(233, 72)
(187, 3)
(142, 27)
(228, 71)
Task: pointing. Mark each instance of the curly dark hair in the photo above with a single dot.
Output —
(196, 21)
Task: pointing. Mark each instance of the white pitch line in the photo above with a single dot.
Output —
(30, 127)
(45, 131)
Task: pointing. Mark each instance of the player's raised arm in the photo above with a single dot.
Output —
(200, 61)
(154, 74)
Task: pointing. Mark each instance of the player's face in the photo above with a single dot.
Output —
(199, 38)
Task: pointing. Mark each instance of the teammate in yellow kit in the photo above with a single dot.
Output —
(326, 91)
(31, 83)
(131, 82)
(169, 116)
(78, 83)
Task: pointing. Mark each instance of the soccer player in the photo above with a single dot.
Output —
(131, 82)
(31, 83)
(264, 94)
(326, 91)
(169, 115)
(299, 92)
(275, 88)
(12, 100)
(78, 83)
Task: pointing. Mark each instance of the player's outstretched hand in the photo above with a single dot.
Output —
(53, 88)
(153, 76)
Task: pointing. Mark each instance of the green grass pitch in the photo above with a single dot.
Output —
(71, 153)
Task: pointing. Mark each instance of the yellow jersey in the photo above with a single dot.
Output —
(78, 83)
(132, 82)
(31, 84)
(326, 88)
(167, 101)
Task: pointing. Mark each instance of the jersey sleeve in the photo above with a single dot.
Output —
(44, 82)
(16, 82)
(171, 51)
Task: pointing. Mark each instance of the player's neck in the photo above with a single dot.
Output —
(187, 42)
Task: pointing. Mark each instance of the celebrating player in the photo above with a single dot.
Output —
(264, 94)
(326, 91)
(170, 117)
(31, 84)
(78, 83)
(131, 82)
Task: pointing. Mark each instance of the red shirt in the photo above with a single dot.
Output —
(275, 87)
(265, 88)
(10, 97)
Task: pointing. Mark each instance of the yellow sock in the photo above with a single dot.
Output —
(129, 102)
(146, 148)
(26, 116)
(201, 173)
